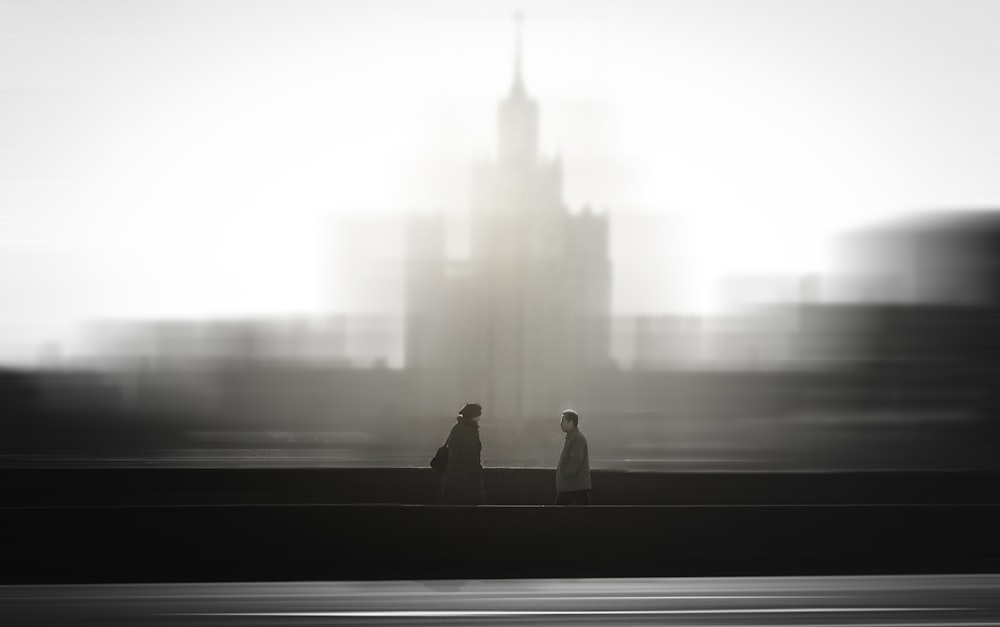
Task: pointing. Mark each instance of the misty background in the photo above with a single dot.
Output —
(202, 160)
(207, 207)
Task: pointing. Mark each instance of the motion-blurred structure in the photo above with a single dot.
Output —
(531, 309)
(899, 373)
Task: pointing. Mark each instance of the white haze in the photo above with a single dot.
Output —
(199, 159)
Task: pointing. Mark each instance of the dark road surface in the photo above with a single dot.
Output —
(927, 601)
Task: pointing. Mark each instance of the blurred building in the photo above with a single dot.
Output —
(532, 304)
(945, 268)
(809, 373)
(667, 341)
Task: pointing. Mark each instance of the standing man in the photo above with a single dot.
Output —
(573, 472)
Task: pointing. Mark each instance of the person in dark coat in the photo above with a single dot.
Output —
(462, 483)
(573, 470)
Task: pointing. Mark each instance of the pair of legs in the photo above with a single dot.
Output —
(575, 497)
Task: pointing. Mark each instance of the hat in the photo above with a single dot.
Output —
(471, 410)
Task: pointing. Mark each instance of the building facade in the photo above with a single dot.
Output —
(530, 308)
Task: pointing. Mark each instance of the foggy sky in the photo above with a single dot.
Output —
(193, 159)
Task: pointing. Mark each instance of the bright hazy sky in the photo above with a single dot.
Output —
(193, 159)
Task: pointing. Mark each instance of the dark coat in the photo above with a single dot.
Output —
(462, 483)
(573, 471)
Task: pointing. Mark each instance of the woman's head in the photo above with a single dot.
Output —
(471, 411)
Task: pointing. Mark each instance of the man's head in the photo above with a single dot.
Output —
(471, 411)
(570, 420)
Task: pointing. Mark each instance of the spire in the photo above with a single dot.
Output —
(517, 122)
(518, 84)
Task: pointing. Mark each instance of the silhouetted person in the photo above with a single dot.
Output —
(573, 471)
(462, 483)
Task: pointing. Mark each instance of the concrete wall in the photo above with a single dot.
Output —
(330, 542)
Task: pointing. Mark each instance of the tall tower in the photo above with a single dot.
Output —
(544, 272)
(531, 307)
(517, 122)
(519, 188)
